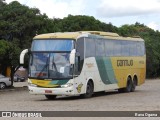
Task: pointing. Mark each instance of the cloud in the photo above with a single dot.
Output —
(56, 8)
(50, 7)
(8, 1)
(118, 12)
(154, 25)
(121, 8)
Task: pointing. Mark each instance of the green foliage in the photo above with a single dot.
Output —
(18, 25)
(84, 23)
(152, 42)
(20, 22)
(4, 47)
(9, 53)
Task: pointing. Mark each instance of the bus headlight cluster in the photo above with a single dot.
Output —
(67, 85)
(32, 85)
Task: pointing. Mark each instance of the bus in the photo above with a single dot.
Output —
(84, 62)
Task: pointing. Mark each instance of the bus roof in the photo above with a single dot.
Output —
(96, 34)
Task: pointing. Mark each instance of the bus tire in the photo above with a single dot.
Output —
(89, 90)
(134, 83)
(128, 86)
(121, 90)
(50, 97)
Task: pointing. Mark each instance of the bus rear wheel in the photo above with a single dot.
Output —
(128, 87)
(134, 83)
(89, 90)
(50, 97)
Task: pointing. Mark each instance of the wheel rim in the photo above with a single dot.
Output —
(2, 85)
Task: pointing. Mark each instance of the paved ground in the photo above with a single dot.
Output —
(145, 98)
(20, 84)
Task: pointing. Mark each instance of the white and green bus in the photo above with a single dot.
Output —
(81, 63)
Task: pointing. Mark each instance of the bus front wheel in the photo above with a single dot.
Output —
(50, 97)
(89, 90)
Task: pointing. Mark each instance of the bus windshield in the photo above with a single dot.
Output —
(52, 45)
(49, 59)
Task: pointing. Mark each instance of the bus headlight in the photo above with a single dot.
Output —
(32, 85)
(67, 85)
(29, 81)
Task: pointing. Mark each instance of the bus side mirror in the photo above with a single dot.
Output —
(72, 56)
(22, 56)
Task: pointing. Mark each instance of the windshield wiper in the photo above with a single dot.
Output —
(46, 65)
(56, 70)
(55, 67)
(43, 70)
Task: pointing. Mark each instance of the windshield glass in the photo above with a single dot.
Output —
(49, 58)
(50, 65)
(52, 45)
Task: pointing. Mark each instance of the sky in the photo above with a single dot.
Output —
(117, 12)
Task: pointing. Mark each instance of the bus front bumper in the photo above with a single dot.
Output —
(51, 91)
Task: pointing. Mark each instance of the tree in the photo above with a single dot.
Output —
(19, 24)
(152, 42)
(84, 23)
(4, 54)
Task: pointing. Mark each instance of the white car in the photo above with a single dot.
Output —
(4, 82)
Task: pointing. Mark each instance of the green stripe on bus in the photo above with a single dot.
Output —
(106, 70)
(58, 82)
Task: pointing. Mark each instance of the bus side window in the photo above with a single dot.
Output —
(79, 55)
(100, 47)
(77, 65)
(140, 48)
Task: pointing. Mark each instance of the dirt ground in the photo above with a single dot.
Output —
(145, 98)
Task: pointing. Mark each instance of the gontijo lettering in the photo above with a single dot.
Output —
(121, 63)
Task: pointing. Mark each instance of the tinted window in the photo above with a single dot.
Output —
(52, 45)
(117, 48)
(140, 48)
(125, 48)
(80, 47)
(104, 47)
(100, 47)
(109, 47)
(132, 48)
(90, 47)
(80, 51)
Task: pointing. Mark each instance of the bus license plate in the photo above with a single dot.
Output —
(48, 91)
